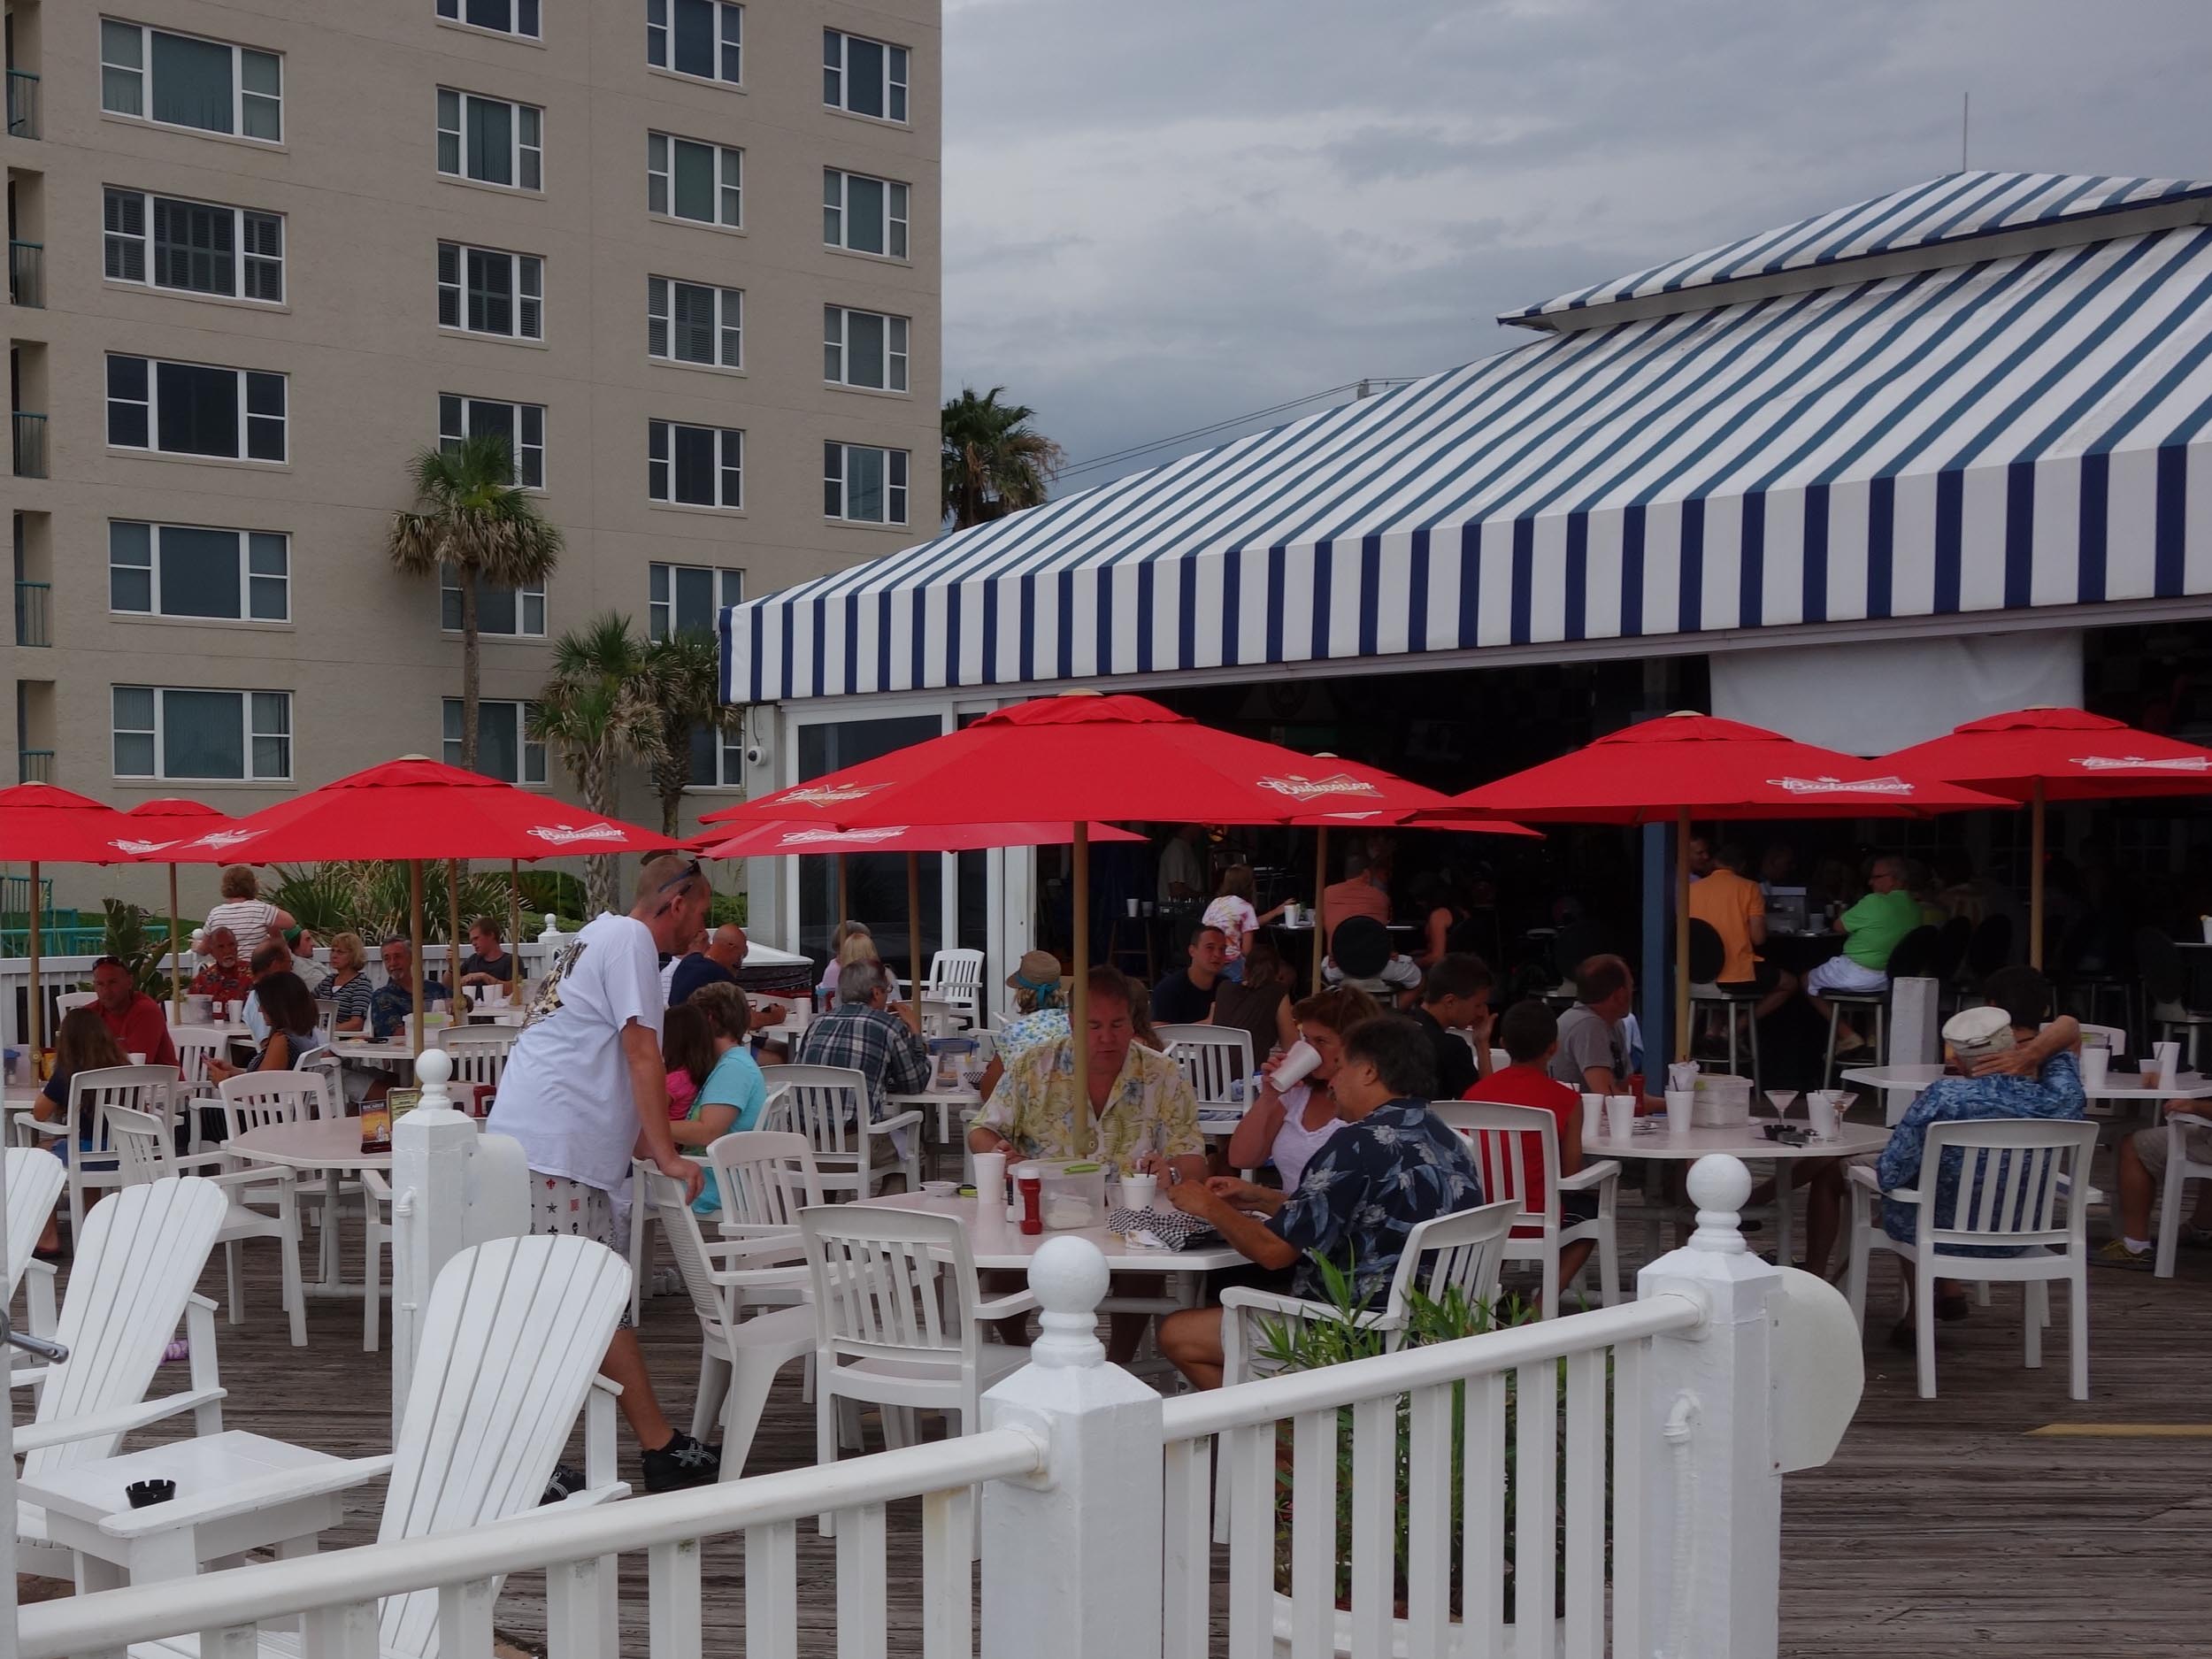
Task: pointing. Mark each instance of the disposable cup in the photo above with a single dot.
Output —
(136, 1059)
(1594, 1122)
(2168, 1057)
(1133, 907)
(1820, 1106)
(1681, 1103)
(990, 1182)
(1139, 1191)
(1299, 1061)
(1620, 1115)
(2207, 921)
(2095, 1063)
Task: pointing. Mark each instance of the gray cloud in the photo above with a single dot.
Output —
(1160, 212)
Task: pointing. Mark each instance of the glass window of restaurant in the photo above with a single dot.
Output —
(875, 882)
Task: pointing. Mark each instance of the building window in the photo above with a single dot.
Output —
(182, 81)
(503, 750)
(195, 247)
(696, 38)
(162, 731)
(863, 348)
(689, 598)
(522, 425)
(717, 759)
(863, 484)
(690, 322)
(195, 409)
(864, 77)
(684, 179)
(699, 466)
(482, 291)
(512, 612)
(490, 140)
(863, 215)
(501, 17)
(178, 570)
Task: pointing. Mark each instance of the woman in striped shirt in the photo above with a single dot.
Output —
(251, 917)
(347, 987)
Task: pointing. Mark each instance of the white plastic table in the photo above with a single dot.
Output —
(2117, 1085)
(87, 1512)
(1746, 1141)
(312, 1143)
(999, 1243)
(950, 1104)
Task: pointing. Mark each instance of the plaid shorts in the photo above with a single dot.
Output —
(561, 1206)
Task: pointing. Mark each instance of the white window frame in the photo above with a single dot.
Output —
(246, 417)
(526, 162)
(529, 754)
(660, 613)
(898, 68)
(728, 19)
(522, 448)
(896, 494)
(729, 323)
(120, 241)
(837, 214)
(837, 358)
(529, 597)
(247, 576)
(518, 12)
(660, 470)
(144, 71)
(525, 288)
(247, 711)
(660, 179)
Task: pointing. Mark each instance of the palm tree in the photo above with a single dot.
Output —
(686, 673)
(994, 461)
(468, 515)
(599, 709)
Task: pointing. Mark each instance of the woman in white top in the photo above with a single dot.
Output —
(251, 917)
(1287, 1129)
(1233, 912)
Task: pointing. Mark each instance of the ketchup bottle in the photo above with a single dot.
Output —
(1031, 1189)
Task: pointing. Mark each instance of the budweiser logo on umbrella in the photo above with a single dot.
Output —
(833, 795)
(811, 837)
(564, 835)
(1299, 788)
(2141, 762)
(1836, 785)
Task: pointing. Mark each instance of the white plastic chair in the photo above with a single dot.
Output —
(146, 1152)
(255, 1100)
(35, 1177)
(149, 1088)
(828, 1104)
(2180, 1170)
(898, 1319)
(510, 1342)
(1211, 1059)
(2022, 1185)
(1494, 1135)
(69, 1002)
(130, 1286)
(957, 976)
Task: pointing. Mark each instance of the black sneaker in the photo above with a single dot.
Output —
(682, 1462)
(566, 1483)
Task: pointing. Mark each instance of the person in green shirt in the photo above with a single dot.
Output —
(1871, 930)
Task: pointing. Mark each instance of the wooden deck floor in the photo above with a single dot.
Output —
(1945, 1527)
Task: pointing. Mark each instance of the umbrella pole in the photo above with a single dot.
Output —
(176, 955)
(514, 928)
(1080, 1015)
(1681, 936)
(453, 935)
(2035, 875)
(1320, 883)
(37, 1013)
(414, 939)
(842, 915)
(913, 926)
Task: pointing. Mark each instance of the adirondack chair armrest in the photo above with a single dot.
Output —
(245, 1496)
(120, 1420)
(38, 1296)
(1007, 1307)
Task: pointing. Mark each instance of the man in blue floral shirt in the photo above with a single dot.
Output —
(1394, 1166)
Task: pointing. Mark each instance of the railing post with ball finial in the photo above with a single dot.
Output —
(431, 1147)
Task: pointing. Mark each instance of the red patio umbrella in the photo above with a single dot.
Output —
(40, 823)
(781, 840)
(1695, 765)
(2039, 755)
(163, 824)
(415, 809)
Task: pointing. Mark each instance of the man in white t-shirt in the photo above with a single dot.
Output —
(583, 1089)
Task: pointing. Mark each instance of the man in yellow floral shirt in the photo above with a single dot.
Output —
(1141, 1113)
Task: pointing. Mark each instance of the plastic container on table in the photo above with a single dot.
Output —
(1722, 1101)
(1073, 1191)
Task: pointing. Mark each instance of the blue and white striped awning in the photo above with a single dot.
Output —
(2019, 432)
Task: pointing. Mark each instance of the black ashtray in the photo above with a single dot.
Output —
(142, 1492)
(1789, 1134)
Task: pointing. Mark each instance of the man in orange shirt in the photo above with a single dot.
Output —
(1732, 904)
(1364, 891)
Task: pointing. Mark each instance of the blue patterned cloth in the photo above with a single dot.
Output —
(2054, 1093)
(392, 1002)
(1025, 1031)
(1369, 1185)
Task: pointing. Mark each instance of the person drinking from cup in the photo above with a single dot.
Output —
(1392, 1165)
(1529, 1033)
(1295, 1114)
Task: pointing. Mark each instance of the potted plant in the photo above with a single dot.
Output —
(1337, 1335)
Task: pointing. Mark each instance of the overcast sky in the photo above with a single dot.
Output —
(1160, 213)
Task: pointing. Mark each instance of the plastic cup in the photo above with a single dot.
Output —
(1299, 1061)
(136, 1059)
(2168, 1057)
(1133, 907)
(1620, 1115)
(2094, 1064)
(1139, 1191)
(990, 1182)
(1822, 1106)
(1593, 1119)
(1681, 1105)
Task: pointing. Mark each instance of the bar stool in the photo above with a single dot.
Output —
(1708, 957)
(1914, 956)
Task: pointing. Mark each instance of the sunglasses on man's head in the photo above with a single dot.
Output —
(681, 876)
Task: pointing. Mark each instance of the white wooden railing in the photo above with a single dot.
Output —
(1096, 1503)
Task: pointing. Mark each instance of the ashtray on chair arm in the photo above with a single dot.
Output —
(142, 1492)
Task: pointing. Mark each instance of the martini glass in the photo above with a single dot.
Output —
(1780, 1099)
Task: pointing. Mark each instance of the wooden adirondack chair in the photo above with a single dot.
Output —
(35, 1177)
(130, 1286)
(510, 1352)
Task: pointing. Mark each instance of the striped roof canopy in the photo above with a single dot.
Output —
(2013, 431)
